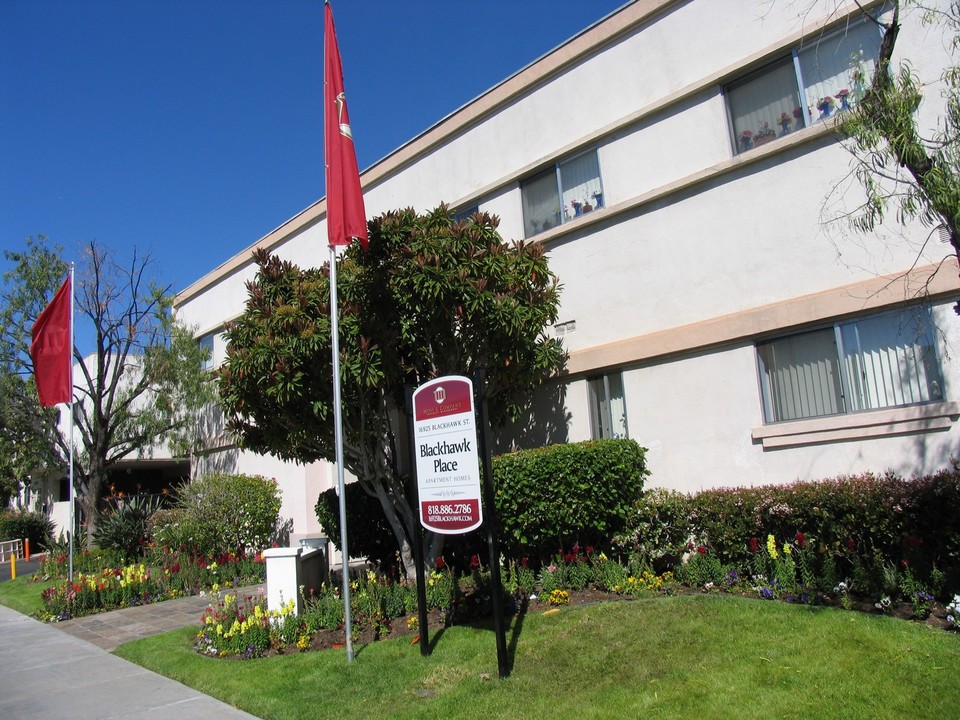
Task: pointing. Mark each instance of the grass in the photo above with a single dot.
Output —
(23, 595)
(699, 656)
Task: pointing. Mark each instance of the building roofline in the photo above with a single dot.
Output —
(587, 41)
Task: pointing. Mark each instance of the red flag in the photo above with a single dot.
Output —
(52, 349)
(346, 218)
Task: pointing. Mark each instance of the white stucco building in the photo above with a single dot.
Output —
(679, 163)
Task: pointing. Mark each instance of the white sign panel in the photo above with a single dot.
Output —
(448, 468)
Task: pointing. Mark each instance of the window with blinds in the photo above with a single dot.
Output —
(608, 410)
(561, 193)
(877, 362)
(825, 75)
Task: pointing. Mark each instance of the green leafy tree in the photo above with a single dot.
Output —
(901, 166)
(430, 297)
(140, 386)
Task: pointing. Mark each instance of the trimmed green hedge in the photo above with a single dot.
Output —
(369, 534)
(34, 526)
(554, 497)
(548, 500)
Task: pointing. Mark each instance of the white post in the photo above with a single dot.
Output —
(338, 434)
(73, 499)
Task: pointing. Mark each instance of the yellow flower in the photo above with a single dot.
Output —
(772, 547)
(787, 549)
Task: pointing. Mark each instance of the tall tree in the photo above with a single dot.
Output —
(901, 165)
(139, 386)
(429, 297)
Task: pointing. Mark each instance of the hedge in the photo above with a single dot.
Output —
(551, 498)
(34, 526)
(369, 534)
(864, 524)
(547, 499)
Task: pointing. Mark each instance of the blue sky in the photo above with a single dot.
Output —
(191, 128)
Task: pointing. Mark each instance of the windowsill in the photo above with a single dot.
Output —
(931, 417)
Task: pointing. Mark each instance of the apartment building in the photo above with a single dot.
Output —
(680, 162)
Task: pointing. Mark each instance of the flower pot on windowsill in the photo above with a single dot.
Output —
(763, 139)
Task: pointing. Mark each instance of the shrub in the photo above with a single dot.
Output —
(370, 535)
(658, 529)
(33, 526)
(124, 527)
(854, 527)
(561, 495)
(219, 514)
(547, 499)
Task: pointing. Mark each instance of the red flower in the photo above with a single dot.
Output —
(524, 561)
(800, 539)
(852, 544)
(905, 563)
(589, 549)
(569, 558)
(439, 564)
(754, 544)
(176, 568)
(701, 550)
(474, 562)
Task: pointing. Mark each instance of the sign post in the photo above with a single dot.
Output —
(448, 453)
(493, 538)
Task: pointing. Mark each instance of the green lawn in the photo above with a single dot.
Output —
(696, 656)
(23, 595)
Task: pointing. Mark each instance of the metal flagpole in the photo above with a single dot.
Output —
(73, 503)
(338, 434)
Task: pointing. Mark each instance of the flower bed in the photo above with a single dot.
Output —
(98, 586)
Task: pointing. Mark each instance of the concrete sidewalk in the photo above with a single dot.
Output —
(47, 673)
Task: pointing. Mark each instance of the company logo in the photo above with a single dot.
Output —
(439, 394)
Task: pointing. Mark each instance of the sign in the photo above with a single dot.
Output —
(448, 468)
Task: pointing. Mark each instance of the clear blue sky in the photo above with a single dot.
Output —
(191, 128)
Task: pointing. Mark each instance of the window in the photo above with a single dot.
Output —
(464, 213)
(565, 191)
(608, 411)
(877, 362)
(206, 343)
(822, 77)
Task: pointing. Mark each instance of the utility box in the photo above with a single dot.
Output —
(292, 568)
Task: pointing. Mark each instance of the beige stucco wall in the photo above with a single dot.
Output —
(696, 254)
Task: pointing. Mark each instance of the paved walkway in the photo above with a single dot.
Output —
(63, 670)
(107, 630)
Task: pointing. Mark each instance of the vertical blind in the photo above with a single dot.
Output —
(561, 193)
(884, 361)
(838, 67)
(608, 407)
(801, 376)
(832, 70)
